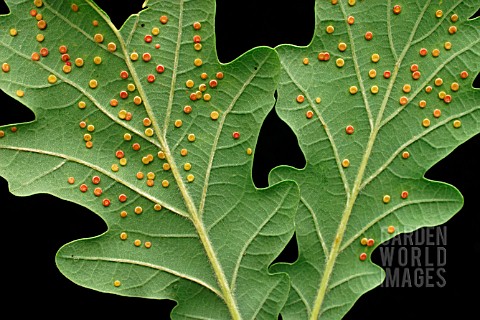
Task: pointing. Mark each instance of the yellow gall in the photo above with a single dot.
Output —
(40, 37)
(122, 114)
(372, 73)
(134, 56)
(157, 207)
(454, 86)
(115, 168)
(438, 13)
(342, 46)
(426, 122)
(137, 243)
(345, 163)
(13, 32)
(435, 52)
(52, 79)
(155, 31)
(123, 236)
(214, 115)
(198, 62)
(165, 183)
(340, 62)
(98, 38)
(66, 68)
(20, 93)
(353, 89)
(191, 137)
(330, 29)
(112, 47)
(375, 57)
(93, 83)
(305, 61)
(116, 283)
(190, 178)
(79, 62)
(447, 45)
(386, 198)
(391, 229)
(457, 124)
(149, 132)
(148, 244)
(374, 89)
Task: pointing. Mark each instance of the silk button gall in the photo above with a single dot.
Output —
(98, 38)
(349, 129)
(5, 67)
(386, 198)
(163, 19)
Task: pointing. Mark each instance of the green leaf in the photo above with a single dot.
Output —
(165, 162)
(358, 185)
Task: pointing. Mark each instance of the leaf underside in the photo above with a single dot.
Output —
(360, 180)
(146, 128)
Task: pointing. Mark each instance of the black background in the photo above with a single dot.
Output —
(34, 228)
